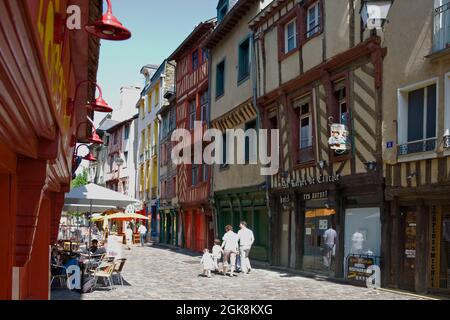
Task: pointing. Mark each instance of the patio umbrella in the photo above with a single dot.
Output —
(85, 208)
(122, 216)
(94, 195)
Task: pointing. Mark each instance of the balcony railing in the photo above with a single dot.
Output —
(417, 146)
(441, 27)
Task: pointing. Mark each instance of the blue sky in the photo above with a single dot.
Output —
(158, 27)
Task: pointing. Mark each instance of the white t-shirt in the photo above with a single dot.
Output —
(217, 251)
(142, 229)
(246, 237)
(330, 237)
(230, 241)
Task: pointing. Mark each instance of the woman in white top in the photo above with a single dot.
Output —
(129, 236)
(231, 248)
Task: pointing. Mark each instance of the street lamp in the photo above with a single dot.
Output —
(108, 27)
(374, 13)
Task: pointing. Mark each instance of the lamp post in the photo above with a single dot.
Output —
(108, 27)
(374, 13)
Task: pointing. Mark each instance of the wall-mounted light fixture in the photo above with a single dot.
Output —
(98, 105)
(322, 164)
(76, 160)
(371, 165)
(108, 27)
(374, 13)
(94, 138)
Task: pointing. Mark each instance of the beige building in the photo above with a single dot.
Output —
(416, 124)
(238, 189)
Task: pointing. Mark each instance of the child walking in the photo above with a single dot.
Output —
(217, 252)
(207, 262)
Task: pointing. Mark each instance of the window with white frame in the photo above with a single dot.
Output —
(313, 20)
(290, 36)
(441, 32)
(305, 126)
(417, 118)
(447, 112)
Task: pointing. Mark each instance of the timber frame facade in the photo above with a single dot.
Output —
(327, 77)
(192, 104)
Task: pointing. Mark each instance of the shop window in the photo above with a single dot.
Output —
(362, 232)
(314, 20)
(417, 119)
(244, 60)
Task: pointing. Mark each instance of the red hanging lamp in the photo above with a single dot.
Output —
(94, 138)
(90, 157)
(108, 27)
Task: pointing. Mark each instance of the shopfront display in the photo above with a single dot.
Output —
(320, 238)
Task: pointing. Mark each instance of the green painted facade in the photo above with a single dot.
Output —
(249, 204)
(168, 233)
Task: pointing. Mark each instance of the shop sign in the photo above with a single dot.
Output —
(315, 195)
(363, 270)
(285, 202)
(339, 141)
(287, 183)
(323, 224)
(435, 247)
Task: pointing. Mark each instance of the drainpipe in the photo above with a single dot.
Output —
(259, 125)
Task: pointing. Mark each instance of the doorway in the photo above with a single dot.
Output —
(318, 256)
(409, 248)
(284, 248)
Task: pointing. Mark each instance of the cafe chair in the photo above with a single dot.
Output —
(104, 271)
(118, 267)
(62, 276)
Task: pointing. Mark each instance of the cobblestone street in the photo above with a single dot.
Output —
(159, 273)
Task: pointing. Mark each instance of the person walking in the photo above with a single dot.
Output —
(207, 263)
(129, 236)
(142, 233)
(230, 246)
(330, 238)
(246, 240)
(217, 252)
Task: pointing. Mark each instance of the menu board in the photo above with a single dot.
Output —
(357, 268)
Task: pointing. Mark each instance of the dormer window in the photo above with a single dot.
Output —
(222, 10)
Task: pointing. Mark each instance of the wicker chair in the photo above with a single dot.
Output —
(118, 267)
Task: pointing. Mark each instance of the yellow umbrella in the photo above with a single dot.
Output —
(126, 216)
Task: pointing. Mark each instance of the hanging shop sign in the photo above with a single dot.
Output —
(287, 183)
(362, 269)
(339, 139)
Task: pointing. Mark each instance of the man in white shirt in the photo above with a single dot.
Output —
(142, 232)
(329, 237)
(246, 240)
(230, 246)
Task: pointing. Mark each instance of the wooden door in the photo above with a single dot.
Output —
(409, 249)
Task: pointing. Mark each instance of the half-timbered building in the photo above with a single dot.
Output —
(192, 105)
(319, 82)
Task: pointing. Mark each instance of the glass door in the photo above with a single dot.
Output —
(320, 241)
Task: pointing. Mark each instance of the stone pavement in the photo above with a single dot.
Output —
(159, 273)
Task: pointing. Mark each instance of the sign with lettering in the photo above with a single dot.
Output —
(315, 195)
(285, 202)
(361, 270)
(435, 253)
(287, 183)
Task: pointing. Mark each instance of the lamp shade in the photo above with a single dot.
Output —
(374, 13)
(100, 105)
(95, 139)
(90, 157)
(109, 27)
